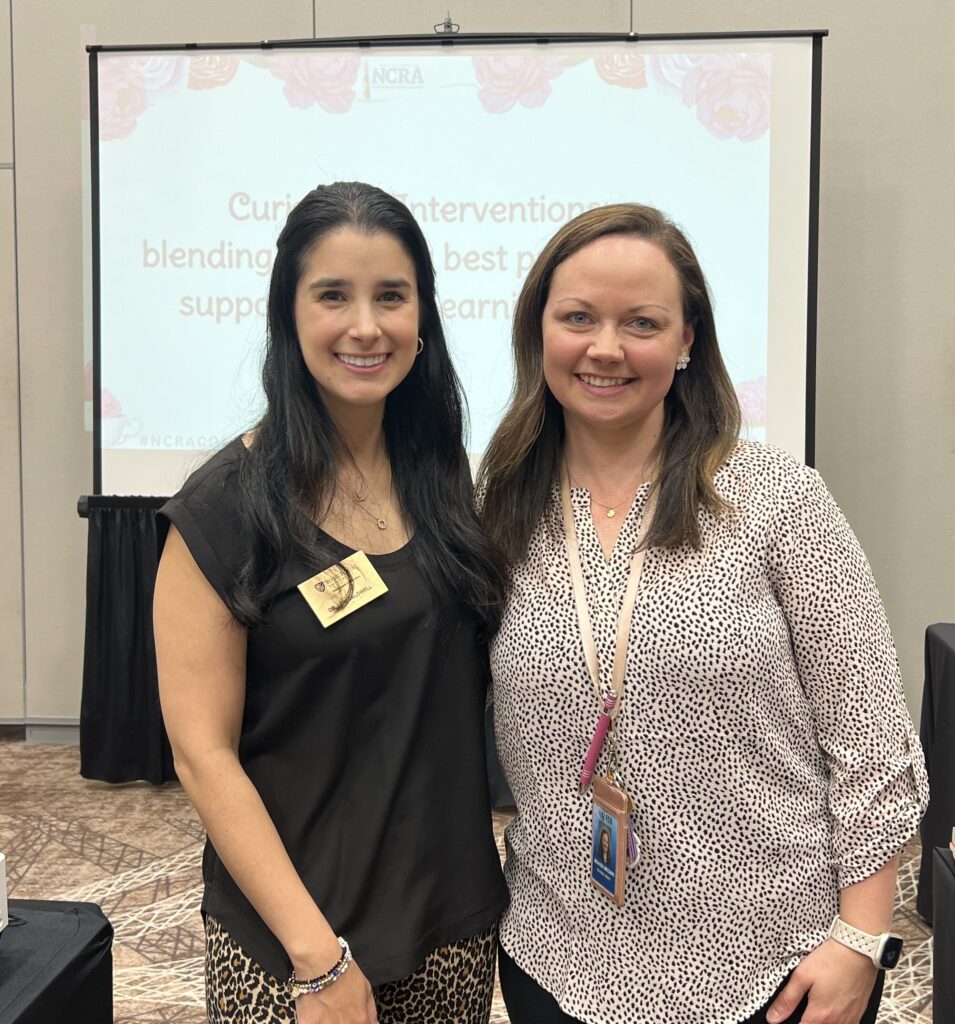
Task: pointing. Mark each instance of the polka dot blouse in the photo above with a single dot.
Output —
(763, 737)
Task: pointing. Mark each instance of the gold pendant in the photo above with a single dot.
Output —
(611, 512)
(382, 525)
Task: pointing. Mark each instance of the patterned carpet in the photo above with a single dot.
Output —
(135, 851)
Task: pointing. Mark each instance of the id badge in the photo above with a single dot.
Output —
(608, 870)
(335, 593)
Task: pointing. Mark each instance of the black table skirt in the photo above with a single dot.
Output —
(937, 733)
(943, 975)
(56, 964)
(122, 738)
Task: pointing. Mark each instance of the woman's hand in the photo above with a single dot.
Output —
(838, 980)
(346, 1001)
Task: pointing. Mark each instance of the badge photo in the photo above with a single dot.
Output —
(604, 853)
(608, 853)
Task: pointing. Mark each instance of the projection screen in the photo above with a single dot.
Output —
(198, 154)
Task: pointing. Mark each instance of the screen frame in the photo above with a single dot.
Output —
(473, 39)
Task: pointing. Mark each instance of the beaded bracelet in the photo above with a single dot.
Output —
(302, 987)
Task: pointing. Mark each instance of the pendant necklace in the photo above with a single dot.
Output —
(611, 510)
(360, 499)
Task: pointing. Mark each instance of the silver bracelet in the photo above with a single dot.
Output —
(304, 987)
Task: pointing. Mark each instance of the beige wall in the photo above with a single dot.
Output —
(886, 421)
(885, 438)
(49, 81)
(11, 616)
(6, 87)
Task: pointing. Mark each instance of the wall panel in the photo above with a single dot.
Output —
(417, 17)
(11, 610)
(50, 86)
(886, 340)
(6, 86)
(886, 347)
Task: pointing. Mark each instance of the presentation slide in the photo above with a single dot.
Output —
(202, 154)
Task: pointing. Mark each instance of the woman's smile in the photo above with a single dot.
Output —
(363, 364)
(606, 387)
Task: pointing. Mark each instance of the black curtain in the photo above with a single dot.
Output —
(122, 738)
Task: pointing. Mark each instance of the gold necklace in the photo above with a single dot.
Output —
(610, 509)
(360, 498)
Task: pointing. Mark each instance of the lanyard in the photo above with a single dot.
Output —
(611, 701)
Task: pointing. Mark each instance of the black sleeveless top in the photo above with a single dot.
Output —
(366, 743)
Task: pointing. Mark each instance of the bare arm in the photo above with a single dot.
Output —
(868, 904)
(838, 979)
(201, 656)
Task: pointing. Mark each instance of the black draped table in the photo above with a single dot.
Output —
(937, 733)
(122, 737)
(56, 964)
(943, 939)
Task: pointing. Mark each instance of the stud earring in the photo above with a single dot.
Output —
(683, 361)
(420, 347)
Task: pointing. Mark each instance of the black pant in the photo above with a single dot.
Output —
(528, 1003)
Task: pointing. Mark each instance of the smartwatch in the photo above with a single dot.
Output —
(883, 950)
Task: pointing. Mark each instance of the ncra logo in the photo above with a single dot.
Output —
(396, 76)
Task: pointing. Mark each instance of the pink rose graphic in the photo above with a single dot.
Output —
(752, 401)
(212, 70)
(116, 428)
(122, 98)
(669, 71)
(731, 92)
(110, 406)
(163, 76)
(326, 81)
(625, 69)
(513, 79)
(128, 85)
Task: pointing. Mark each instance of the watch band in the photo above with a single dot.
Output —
(872, 946)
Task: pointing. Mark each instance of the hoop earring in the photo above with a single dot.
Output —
(420, 347)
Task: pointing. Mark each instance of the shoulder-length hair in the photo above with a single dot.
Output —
(701, 411)
(288, 478)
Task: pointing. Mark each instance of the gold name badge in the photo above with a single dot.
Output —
(335, 593)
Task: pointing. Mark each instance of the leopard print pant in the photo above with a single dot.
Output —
(454, 985)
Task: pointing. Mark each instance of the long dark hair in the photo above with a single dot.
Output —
(289, 471)
(701, 411)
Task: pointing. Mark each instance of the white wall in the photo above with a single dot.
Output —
(885, 416)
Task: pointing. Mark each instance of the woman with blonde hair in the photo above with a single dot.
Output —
(693, 647)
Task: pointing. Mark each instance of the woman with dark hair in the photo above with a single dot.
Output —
(605, 845)
(319, 608)
(693, 647)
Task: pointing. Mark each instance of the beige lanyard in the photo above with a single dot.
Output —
(609, 703)
(580, 595)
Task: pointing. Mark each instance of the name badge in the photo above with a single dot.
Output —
(343, 589)
(608, 867)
